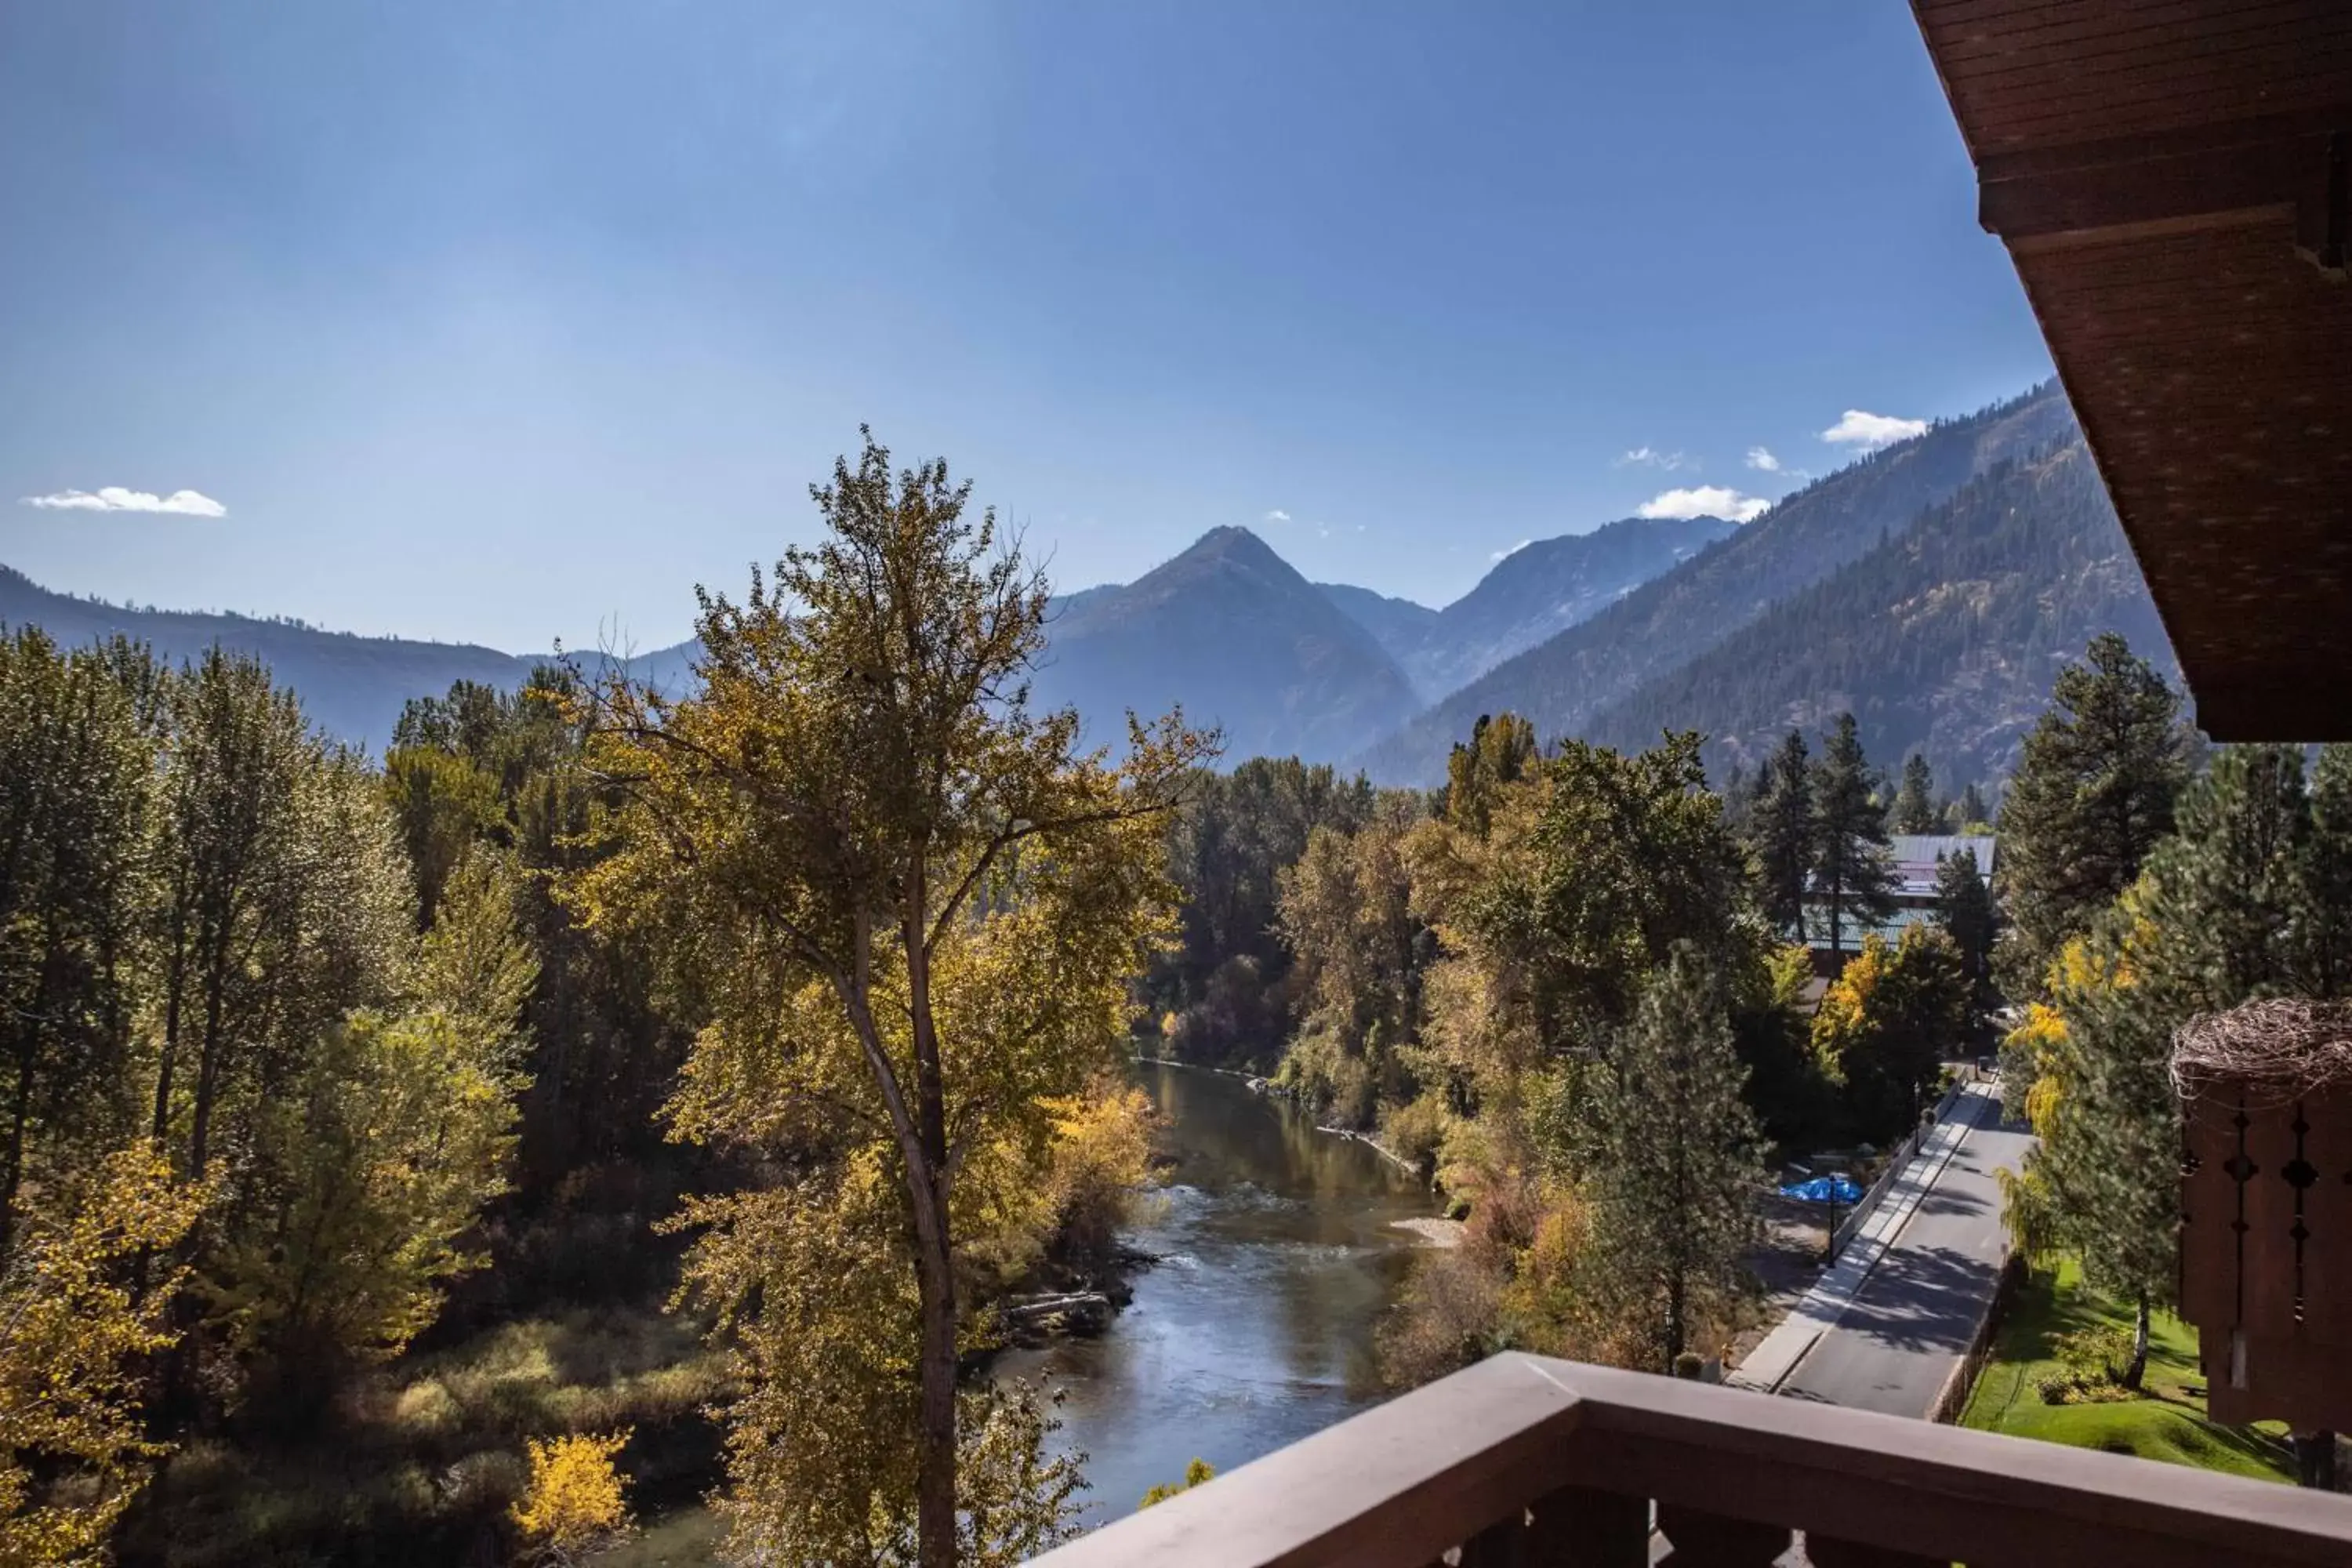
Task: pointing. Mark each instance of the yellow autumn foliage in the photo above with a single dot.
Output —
(71, 1337)
(577, 1498)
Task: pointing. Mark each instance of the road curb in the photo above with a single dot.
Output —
(1829, 1313)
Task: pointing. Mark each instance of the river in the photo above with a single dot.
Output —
(1279, 1250)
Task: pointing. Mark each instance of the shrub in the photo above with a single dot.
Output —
(2096, 1355)
(1199, 1471)
(1415, 1131)
(576, 1502)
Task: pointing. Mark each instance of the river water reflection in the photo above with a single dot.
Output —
(1279, 1251)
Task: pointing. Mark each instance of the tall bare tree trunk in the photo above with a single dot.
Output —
(935, 1485)
(2137, 1370)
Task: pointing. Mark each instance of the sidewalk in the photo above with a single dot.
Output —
(1767, 1366)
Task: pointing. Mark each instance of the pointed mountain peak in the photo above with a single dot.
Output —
(1237, 545)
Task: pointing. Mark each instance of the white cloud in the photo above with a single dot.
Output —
(1762, 459)
(1704, 500)
(1869, 432)
(1514, 550)
(1278, 515)
(1651, 458)
(114, 498)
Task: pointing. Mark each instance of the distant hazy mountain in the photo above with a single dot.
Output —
(1398, 624)
(352, 687)
(1544, 587)
(1566, 682)
(1232, 632)
(1943, 639)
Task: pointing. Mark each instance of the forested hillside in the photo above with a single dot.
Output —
(1563, 684)
(1943, 639)
(1233, 633)
(352, 687)
(1545, 587)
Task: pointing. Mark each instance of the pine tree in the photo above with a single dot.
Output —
(1782, 833)
(2208, 924)
(1915, 803)
(2094, 794)
(2325, 874)
(1964, 909)
(1853, 875)
(1968, 812)
(1673, 1160)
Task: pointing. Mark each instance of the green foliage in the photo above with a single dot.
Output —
(1198, 1472)
(1501, 752)
(389, 1140)
(1915, 803)
(1227, 851)
(1345, 912)
(916, 909)
(1782, 830)
(1966, 913)
(2219, 915)
(75, 761)
(1886, 1024)
(1632, 860)
(1853, 877)
(2093, 794)
(2165, 1421)
(442, 802)
(1672, 1163)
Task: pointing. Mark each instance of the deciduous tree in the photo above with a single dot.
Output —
(917, 909)
(74, 1339)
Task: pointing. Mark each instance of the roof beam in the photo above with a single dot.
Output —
(2233, 174)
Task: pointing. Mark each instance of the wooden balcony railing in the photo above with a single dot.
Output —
(1528, 1462)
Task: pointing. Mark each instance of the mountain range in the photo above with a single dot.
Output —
(1931, 587)
(353, 687)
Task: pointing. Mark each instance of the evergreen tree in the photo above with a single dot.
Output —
(1672, 1161)
(2324, 932)
(1853, 876)
(1969, 813)
(2095, 792)
(1965, 909)
(2210, 923)
(1782, 832)
(1915, 803)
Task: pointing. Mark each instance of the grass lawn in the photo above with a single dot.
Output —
(2169, 1424)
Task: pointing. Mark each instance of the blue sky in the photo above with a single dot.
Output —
(502, 322)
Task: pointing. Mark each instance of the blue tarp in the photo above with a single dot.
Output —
(1824, 1190)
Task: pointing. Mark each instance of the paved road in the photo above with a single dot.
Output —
(1910, 1322)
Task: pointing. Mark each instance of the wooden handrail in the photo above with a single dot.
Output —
(1400, 1484)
